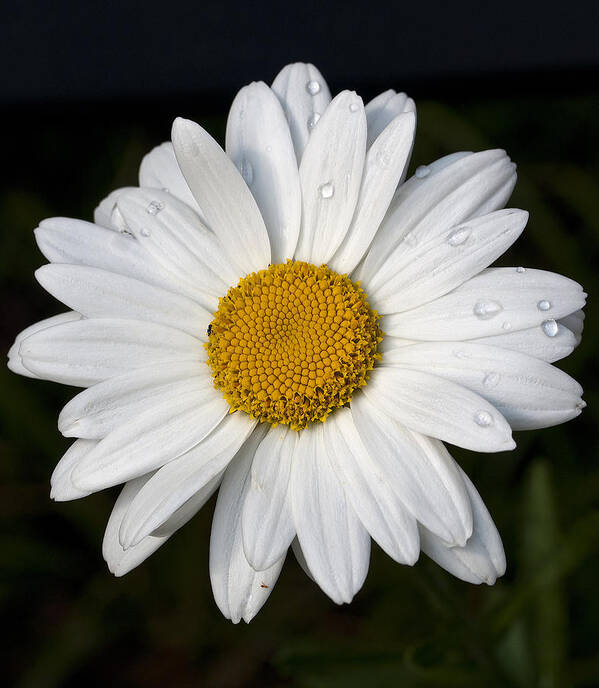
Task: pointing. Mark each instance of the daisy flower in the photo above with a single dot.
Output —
(295, 325)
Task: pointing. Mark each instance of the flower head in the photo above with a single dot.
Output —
(294, 325)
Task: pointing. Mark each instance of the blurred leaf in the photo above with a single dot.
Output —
(541, 540)
(515, 654)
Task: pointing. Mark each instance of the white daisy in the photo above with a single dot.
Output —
(234, 300)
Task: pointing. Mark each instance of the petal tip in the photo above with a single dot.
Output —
(128, 536)
(12, 365)
(249, 615)
(68, 427)
(83, 477)
(181, 126)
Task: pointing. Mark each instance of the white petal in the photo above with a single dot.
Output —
(179, 242)
(439, 408)
(305, 96)
(14, 357)
(100, 409)
(266, 520)
(528, 392)
(159, 169)
(160, 434)
(84, 352)
(389, 343)
(482, 559)
(419, 470)
(384, 167)
(76, 242)
(383, 109)
(259, 143)
(301, 559)
(97, 293)
(62, 487)
(121, 561)
(330, 177)
(497, 300)
(239, 590)
(575, 323)
(547, 344)
(104, 214)
(67, 240)
(179, 480)
(187, 510)
(454, 190)
(334, 542)
(226, 201)
(369, 492)
(435, 267)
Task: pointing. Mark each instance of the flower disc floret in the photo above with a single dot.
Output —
(291, 343)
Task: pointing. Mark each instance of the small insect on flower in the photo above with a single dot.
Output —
(294, 325)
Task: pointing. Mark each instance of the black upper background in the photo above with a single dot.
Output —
(53, 52)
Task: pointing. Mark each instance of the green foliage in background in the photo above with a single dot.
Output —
(69, 623)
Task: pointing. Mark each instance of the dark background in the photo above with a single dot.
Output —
(86, 89)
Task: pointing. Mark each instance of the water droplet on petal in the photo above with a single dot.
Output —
(544, 305)
(461, 353)
(313, 87)
(326, 190)
(485, 310)
(165, 189)
(247, 171)
(483, 418)
(459, 236)
(422, 171)
(507, 326)
(491, 380)
(313, 120)
(145, 232)
(520, 269)
(154, 207)
(550, 327)
(354, 107)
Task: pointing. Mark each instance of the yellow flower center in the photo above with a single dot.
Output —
(291, 343)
